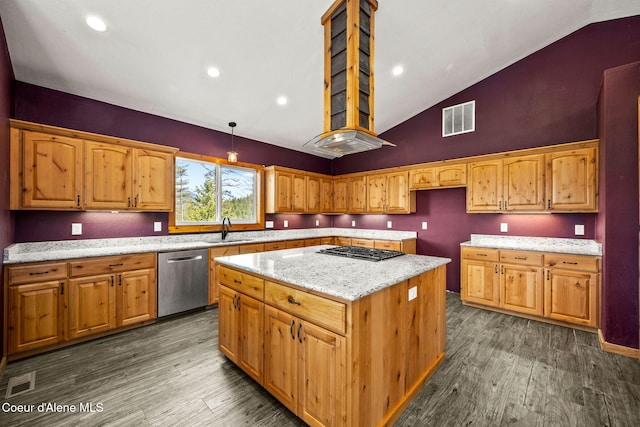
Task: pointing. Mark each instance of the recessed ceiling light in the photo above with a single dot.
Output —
(96, 23)
(397, 70)
(282, 100)
(213, 72)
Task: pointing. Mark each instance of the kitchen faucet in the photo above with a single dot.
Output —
(225, 228)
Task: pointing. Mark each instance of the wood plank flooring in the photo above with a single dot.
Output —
(499, 370)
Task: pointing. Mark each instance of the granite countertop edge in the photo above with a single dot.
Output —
(19, 253)
(536, 244)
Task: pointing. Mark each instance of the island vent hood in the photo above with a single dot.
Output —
(348, 80)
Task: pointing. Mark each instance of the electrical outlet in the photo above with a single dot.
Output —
(76, 229)
(157, 226)
(353, 223)
(317, 223)
(504, 227)
(413, 293)
(424, 225)
(579, 230)
(389, 224)
(268, 224)
(286, 223)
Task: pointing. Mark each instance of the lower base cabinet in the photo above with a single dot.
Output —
(334, 362)
(548, 286)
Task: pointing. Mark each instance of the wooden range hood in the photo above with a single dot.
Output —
(348, 80)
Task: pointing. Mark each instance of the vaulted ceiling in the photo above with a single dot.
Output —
(154, 54)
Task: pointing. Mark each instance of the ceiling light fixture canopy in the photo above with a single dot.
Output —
(348, 80)
(232, 155)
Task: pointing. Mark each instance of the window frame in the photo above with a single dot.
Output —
(208, 228)
(452, 108)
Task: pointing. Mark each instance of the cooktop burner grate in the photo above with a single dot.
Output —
(358, 252)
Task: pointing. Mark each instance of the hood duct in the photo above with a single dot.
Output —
(348, 80)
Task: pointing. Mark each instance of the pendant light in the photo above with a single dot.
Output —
(233, 156)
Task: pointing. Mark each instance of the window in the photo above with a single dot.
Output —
(208, 189)
(459, 119)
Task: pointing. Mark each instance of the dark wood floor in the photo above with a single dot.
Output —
(499, 370)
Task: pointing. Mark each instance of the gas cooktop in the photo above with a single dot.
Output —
(359, 252)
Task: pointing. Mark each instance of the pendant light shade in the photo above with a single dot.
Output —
(232, 155)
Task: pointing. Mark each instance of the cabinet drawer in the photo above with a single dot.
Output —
(274, 246)
(343, 241)
(252, 248)
(313, 242)
(387, 244)
(365, 243)
(37, 273)
(241, 282)
(520, 257)
(572, 262)
(290, 244)
(480, 253)
(111, 264)
(321, 311)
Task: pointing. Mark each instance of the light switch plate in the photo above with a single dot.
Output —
(424, 225)
(504, 227)
(389, 224)
(579, 230)
(317, 223)
(157, 226)
(76, 229)
(268, 224)
(413, 293)
(286, 223)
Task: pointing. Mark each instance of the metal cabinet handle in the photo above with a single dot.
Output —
(502, 269)
(112, 281)
(569, 262)
(119, 279)
(116, 265)
(61, 288)
(78, 200)
(496, 268)
(38, 273)
(128, 202)
(293, 323)
(481, 254)
(548, 203)
(293, 301)
(299, 330)
(548, 275)
(521, 258)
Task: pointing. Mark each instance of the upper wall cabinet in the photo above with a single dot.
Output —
(558, 181)
(295, 191)
(389, 193)
(60, 169)
(448, 176)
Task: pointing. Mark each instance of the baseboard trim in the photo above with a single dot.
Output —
(616, 348)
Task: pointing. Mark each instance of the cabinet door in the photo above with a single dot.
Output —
(524, 183)
(452, 175)
(251, 353)
(480, 282)
(376, 194)
(228, 323)
(299, 183)
(326, 195)
(314, 196)
(136, 297)
(281, 356)
(109, 176)
(36, 315)
(398, 199)
(340, 195)
(484, 186)
(422, 179)
(571, 296)
(213, 272)
(153, 180)
(283, 191)
(92, 305)
(521, 288)
(322, 376)
(572, 180)
(52, 171)
(357, 192)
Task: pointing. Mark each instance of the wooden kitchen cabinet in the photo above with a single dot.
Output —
(484, 186)
(286, 190)
(136, 297)
(545, 286)
(340, 195)
(92, 305)
(572, 288)
(480, 278)
(153, 180)
(326, 194)
(572, 180)
(448, 176)
(52, 172)
(213, 273)
(109, 176)
(357, 194)
(389, 193)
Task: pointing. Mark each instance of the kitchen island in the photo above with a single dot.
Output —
(338, 341)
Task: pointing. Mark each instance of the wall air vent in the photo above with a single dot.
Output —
(459, 119)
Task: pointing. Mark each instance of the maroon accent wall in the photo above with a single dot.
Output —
(6, 217)
(618, 223)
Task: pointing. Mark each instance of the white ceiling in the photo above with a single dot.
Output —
(155, 54)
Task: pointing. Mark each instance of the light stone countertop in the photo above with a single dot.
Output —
(539, 244)
(345, 278)
(70, 249)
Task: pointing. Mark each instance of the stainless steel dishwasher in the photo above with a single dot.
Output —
(182, 281)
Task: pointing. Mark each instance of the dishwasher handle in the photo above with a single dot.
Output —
(184, 259)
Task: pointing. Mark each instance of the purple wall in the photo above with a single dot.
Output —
(6, 218)
(618, 225)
